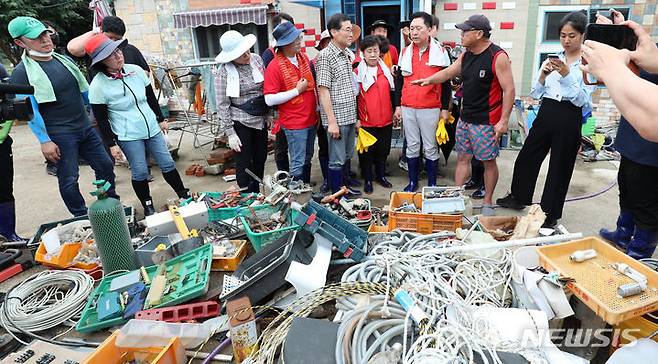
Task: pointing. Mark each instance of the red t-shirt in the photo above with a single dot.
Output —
(291, 116)
(374, 106)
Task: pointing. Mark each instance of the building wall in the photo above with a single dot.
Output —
(150, 27)
(510, 15)
(307, 17)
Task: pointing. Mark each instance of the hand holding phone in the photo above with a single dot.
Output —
(616, 36)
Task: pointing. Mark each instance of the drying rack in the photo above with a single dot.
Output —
(204, 128)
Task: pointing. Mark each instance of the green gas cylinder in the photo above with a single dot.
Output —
(108, 223)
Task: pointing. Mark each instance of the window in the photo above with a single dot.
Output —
(593, 11)
(552, 24)
(207, 38)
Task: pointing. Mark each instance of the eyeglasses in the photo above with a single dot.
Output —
(347, 30)
(117, 53)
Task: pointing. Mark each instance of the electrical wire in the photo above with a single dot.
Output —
(45, 300)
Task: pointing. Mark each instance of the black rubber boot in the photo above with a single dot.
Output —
(144, 195)
(174, 180)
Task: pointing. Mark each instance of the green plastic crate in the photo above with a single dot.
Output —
(193, 280)
(259, 240)
(225, 213)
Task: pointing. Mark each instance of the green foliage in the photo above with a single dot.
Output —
(71, 18)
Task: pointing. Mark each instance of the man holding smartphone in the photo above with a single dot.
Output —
(637, 224)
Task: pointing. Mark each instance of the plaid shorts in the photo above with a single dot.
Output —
(478, 140)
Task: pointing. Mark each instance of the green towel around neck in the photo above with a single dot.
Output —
(43, 89)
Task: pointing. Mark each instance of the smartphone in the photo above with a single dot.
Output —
(618, 36)
(554, 56)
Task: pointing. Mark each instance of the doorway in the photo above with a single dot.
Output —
(389, 11)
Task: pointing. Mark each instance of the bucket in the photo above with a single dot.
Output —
(524, 258)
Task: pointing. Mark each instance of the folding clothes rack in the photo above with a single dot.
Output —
(205, 128)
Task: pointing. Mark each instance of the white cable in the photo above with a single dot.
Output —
(45, 300)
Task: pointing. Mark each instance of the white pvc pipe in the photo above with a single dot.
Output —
(499, 245)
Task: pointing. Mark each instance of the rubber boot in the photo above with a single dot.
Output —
(324, 167)
(254, 186)
(413, 164)
(643, 243)
(335, 179)
(174, 180)
(8, 222)
(144, 195)
(625, 227)
(367, 177)
(432, 167)
(306, 174)
(349, 180)
(380, 174)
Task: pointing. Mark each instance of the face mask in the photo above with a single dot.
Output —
(34, 53)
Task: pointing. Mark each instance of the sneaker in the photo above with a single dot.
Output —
(51, 169)
(510, 202)
(478, 194)
(549, 223)
(403, 165)
(470, 185)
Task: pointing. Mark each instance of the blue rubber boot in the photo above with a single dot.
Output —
(413, 164)
(625, 227)
(349, 181)
(324, 167)
(432, 168)
(643, 243)
(335, 179)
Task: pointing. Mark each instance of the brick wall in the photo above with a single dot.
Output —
(309, 17)
(509, 21)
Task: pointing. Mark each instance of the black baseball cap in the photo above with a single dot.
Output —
(380, 23)
(475, 22)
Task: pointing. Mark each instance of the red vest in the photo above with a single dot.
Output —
(374, 106)
(421, 97)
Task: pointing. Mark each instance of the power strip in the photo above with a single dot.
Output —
(40, 352)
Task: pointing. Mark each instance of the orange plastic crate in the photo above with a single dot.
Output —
(416, 221)
(64, 259)
(230, 264)
(595, 281)
(110, 353)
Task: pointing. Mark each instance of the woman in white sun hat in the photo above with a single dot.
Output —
(242, 110)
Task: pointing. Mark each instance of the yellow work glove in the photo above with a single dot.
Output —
(442, 133)
(364, 140)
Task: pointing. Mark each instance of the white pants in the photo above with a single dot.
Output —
(421, 124)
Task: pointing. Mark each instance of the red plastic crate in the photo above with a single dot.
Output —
(507, 25)
(450, 6)
(490, 5)
(180, 313)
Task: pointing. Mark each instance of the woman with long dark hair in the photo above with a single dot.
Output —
(129, 117)
(565, 102)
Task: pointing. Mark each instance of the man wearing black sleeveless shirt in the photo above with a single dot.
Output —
(487, 103)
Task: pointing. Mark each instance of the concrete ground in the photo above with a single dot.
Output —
(38, 200)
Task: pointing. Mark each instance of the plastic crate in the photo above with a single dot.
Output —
(193, 278)
(64, 259)
(445, 205)
(349, 239)
(259, 240)
(416, 221)
(36, 239)
(109, 352)
(595, 282)
(225, 213)
(230, 264)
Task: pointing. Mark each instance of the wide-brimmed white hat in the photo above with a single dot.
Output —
(234, 45)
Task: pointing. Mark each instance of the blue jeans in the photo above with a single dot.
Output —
(136, 150)
(301, 143)
(341, 150)
(88, 144)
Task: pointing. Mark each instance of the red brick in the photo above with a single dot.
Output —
(310, 31)
(450, 6)
(189, 312)
(309, 43)
(507, 25)
(490, 5)
(299, 25)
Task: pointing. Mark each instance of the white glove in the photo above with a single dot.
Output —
(234, 142)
